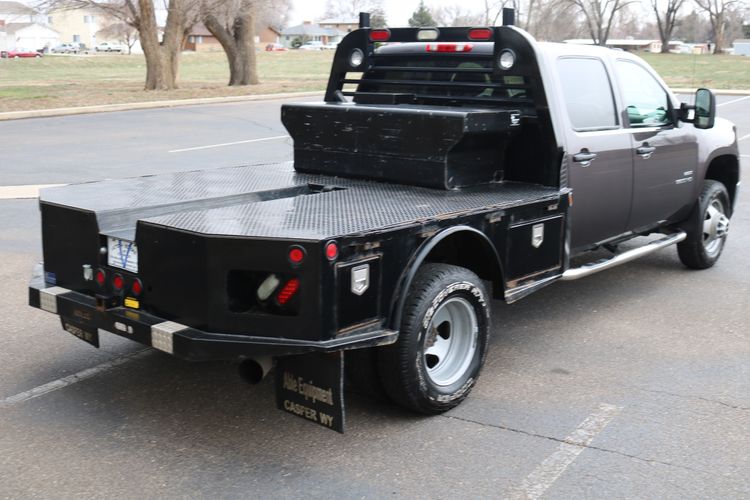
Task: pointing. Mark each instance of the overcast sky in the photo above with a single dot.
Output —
(397, 12)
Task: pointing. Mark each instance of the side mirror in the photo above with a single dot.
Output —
(705, 109)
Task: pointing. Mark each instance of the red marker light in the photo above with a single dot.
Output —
(332, 250)
(296, 255)
(480, 34)
(137, 287)
(380, 35)
(449, 47)
(117, 282)
(101, 277)
(288, 291)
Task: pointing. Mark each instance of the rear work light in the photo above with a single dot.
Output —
(480, 34)
(288, 291)
(380, 35)
(449, 47)
(428, 34)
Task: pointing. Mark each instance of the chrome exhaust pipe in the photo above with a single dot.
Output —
(254, 370)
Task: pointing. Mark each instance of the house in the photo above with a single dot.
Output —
(742, 47)
(630, 44)
(201, 40)
(343, 25)
(267, 35)
(80, 25)
(309, 32)
(33, 36)
(15, 12)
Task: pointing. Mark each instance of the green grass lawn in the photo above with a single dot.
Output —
(60, 81)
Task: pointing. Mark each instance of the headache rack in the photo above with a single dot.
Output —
(438, 66)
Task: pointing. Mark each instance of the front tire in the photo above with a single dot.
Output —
(706, 227)
(442, 341)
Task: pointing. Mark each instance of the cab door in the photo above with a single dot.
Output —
(599, 153)
(665, 153)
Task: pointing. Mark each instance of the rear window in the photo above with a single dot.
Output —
(588, 93)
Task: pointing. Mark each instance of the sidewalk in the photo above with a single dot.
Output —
(104, 108)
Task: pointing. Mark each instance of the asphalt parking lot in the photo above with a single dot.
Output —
(633, 383)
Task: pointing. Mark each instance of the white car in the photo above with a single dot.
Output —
(110, 47)
(315, 45)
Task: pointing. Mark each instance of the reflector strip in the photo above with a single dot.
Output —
(288, 291)
(162, 335)
(48, 298)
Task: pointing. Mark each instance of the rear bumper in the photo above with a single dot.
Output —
(79, 313)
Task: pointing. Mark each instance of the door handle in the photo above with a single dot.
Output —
(645, 152)
(585, 157)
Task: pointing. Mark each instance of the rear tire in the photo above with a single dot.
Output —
(706, 227)
(442, 341)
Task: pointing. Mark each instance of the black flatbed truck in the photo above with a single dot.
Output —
(443, 183)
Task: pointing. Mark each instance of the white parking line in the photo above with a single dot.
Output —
(553, 466)
(69, 380)
(743, 138)
(27, 191)
(229, 144)
(733, 101)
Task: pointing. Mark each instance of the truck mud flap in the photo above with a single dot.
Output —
(311, 386)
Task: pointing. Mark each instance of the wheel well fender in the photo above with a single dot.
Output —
(462, 246)
(725, 169)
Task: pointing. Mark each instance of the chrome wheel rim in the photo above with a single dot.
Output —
(715, 227)
(451, 341)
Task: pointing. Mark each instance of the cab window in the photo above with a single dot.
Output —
(588, 93)
(646, 101)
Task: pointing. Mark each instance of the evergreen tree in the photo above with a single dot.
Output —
(421, 17)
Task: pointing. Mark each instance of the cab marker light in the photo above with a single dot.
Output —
(480, 34)
(380, 35)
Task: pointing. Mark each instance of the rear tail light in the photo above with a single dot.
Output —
(449, 47)
(288, 291)
(137, 287)
(480, 34)
(101, 277)
(332, 250)
(118, 283)
(380, 35)
(296, 254)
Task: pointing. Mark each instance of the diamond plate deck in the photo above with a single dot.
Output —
(265, 201)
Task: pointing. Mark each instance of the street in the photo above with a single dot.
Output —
(632, 383)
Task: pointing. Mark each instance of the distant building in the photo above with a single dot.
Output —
(201, 40)
(742, 47)
(343, 25)
(32, 36)
(630, 44)
(15, 12)
(267, 35)
(310, 32)
(80, 25)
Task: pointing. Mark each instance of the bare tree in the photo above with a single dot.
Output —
(162, 51)
(717, 11)
(232, 22)
(599, 16)
(666, 19)
(350, 9)
(456, 15)
(122, 32)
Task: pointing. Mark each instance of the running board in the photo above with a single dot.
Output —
(601, 265)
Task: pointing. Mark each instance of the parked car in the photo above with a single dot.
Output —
(275, 47)
(331, 46)
(66, 48)
(110, 47)
(314, 45)
(16, 53)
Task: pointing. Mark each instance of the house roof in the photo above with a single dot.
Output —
(200, 30)
(309, 29)
(339, 21)
(15, 27)
(15, 8)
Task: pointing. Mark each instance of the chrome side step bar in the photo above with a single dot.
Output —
(601, 265)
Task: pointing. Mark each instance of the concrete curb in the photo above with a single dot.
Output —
(104, 108)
